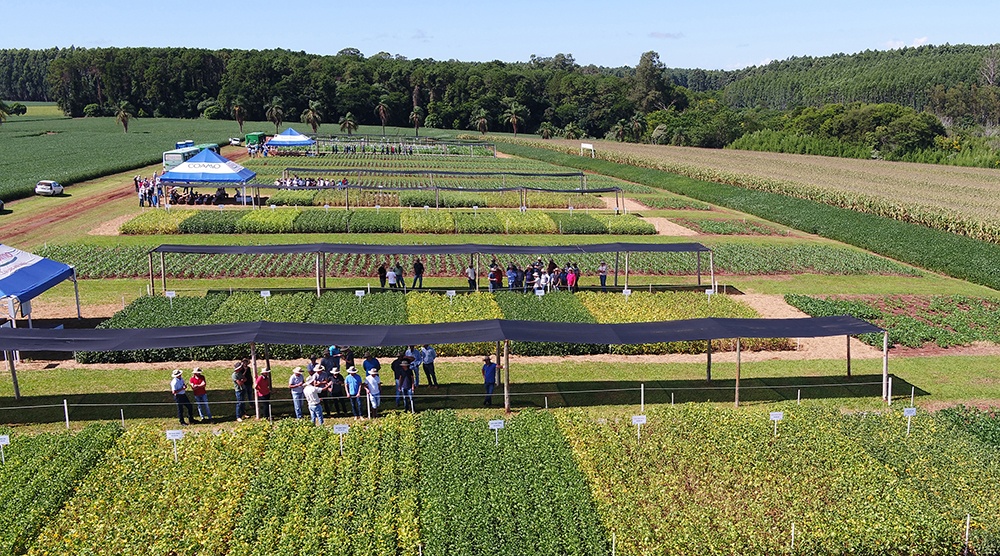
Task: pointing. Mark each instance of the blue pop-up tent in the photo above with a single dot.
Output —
(24, 276)
(208, 167)
(290, 138)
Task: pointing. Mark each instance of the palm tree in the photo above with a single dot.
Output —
(348, 123)
(514, 115)
(619, 130)
(382, 110)
(239, 114)
(312, 116)
(417, 119)
(547, 130)
(274, 113)
(123, 113)
(572, 131)
(637, 124)
(480, 120)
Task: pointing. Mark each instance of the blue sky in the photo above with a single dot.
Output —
(710, 35)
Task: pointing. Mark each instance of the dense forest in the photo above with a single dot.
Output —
(875, 103)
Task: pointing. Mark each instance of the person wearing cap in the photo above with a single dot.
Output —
(179, 390)
(311, 394)
(248, 380)
(338, 392)
(296, 384)
(199, 389)
(353, 383)
(263, 386)
(372, 389)
(397, 367)
(313, 363)
(239, 383)
(332, 360)
(418, 359)
(429, 355)
(323, 379)
(489, 379)
(406, 386)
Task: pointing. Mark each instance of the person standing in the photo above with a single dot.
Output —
(353, 384)
(297, 385)
(382, 273)
(397, 368)
(248, 380)
(418, 359)
(390, 277)
(338, 392)
(370, 363)
(324, 378)
(429, 355)
(470, 273)
(331, 360)
(372, 383)
(311, 394)
(179, 390)
(489, 379)
(263, 386)
(200, 393)
(406, 385)
(418, 274)
(602, 275)
(400, 278)
(239, 383)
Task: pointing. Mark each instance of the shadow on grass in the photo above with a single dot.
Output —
(108, 406)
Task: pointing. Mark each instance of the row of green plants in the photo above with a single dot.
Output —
(729, 227)
(707, 480)
(430, 198)
(911, 320)
(39, 474)
(519, 492)
(698, 479)
(292, 220)
(421, 308)
(97, 262)
(914, 243)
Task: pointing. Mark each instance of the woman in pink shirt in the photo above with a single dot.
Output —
(263, 386)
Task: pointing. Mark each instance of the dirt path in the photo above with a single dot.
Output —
(17, 232)
(664, 226)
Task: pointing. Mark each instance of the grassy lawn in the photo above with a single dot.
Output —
(143, 393)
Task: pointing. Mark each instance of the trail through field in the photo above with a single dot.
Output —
(664, 226)
(110, 228)
(17, 232)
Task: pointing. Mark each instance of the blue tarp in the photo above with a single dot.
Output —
(290, 138)
(208, 167)
(24, 275)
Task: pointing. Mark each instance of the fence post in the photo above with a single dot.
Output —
(66, 412)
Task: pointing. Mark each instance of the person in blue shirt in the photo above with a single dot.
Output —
(370, 363)
(418, 359)
(489, 379)
(353, 383)
(429, 355)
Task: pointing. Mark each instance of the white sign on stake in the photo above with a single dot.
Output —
(170, 295)
(495, 426)
(175, 435)
(265, 293)
(638, 421)
(909, 412)
(626, 293)
(341, 429)
(360, 294)
(777, 416)
(4, 440)
(451, 295)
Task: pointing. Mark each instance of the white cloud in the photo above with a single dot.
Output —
(920, 42)
(895, 44)
(421, 36)
(659, 35)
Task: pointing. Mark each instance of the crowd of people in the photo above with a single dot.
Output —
(261, 151)
(149, 190)
(296, 181)
(381, 148)
(321, 389)
(534, 276)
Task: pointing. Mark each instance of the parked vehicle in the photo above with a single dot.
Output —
(235, 141)
(1, 204)
(48, 188)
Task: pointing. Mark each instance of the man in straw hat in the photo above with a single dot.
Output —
(297, 384)
(240, 385)
(179, 390)
(372, 383)
(311, 393)
(199, 389)
(353, 383)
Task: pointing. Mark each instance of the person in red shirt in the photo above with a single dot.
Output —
(199, 389)
(263, 386)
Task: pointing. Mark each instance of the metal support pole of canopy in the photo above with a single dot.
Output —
(848, 356)
(506, 376)
(699, 266)
(76, 293)
(626, 269)
(737, 372)
(163, 272)
(318, 284)
(499, 353)
(9, 356)
(711, 269)
(152, 282)
(253, 365)
(477, 272)
(885, 365)
(708, 366)
(616, 267)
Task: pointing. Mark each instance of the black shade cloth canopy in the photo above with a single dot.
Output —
(495, 330)
(443, 249)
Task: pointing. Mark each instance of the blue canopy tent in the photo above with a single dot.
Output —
(23, 277)
(290, 138)
(209, 167)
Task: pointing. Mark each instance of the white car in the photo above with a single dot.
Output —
(235, 141)
(48, 188)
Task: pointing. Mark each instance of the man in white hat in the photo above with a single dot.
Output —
(372, 383)
(296, 384)
(179, 390)
(353, 383)
(311, 393)
(199, 389)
